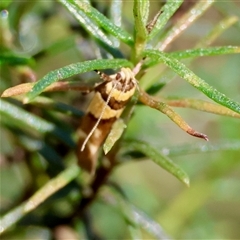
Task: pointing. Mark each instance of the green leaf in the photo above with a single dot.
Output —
(73, 69)
(5, 3)
(24, 88)
(168, 10)
(124, 207)
(191, 53)
(86, 23)
(175, 117)
(40, 196)
(140, 12)
(115, 15)
(116, 12)
(201, 105)
(50, 154)
(23, 118)
(134, 217)
(28, 121)
(58, 106)
(161, 160)
(200, 52)
(12, 59)
(229, 145)
(148, 224)
(229, 9)
(102, 21)
(47, 103)
(218, 29)
(194, 80)
(183, 23)
(185, 205)
(115, 133)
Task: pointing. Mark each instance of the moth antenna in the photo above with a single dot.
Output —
(103, 76)
(100, 117)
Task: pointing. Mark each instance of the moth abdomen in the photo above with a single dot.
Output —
(106, 106)
(87, 159)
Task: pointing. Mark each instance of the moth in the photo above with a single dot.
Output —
(106, 106)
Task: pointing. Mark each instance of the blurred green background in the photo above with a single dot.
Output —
(208, 209)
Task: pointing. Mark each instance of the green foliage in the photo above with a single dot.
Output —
(194, 80)
(71, 70)
(158, 158)
(64, 42)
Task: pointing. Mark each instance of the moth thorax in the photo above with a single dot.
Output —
(122, 86)
(125, 78)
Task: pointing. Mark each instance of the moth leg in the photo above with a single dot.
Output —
(105, 77)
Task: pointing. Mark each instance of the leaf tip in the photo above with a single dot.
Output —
(106, 148)
(186, 180)
(205, 137)
(198, 134)
(4, 94)
(26, 100)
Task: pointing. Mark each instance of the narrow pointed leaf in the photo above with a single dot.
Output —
(57, 86)
(202, 106)
(168, 10)
(200, 52)
(228, 145)
(192, 53)
(50, 154)
(175, 117)
(115, 15)
(186, 204)
(196, 81)
(184, 22)
(101, 20)
(86, 23)
(28, 121)
(57, 106)
(116, 12)
(161, 160)
(17, 90)
(115, 133)
(135, 217)
(51, 104)
(149, 224)
(40, 196)
(12, 59)
(140, 11)
(218, 29)
(155, 85)
(73, 69)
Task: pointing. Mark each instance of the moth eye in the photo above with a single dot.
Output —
(118, 76)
